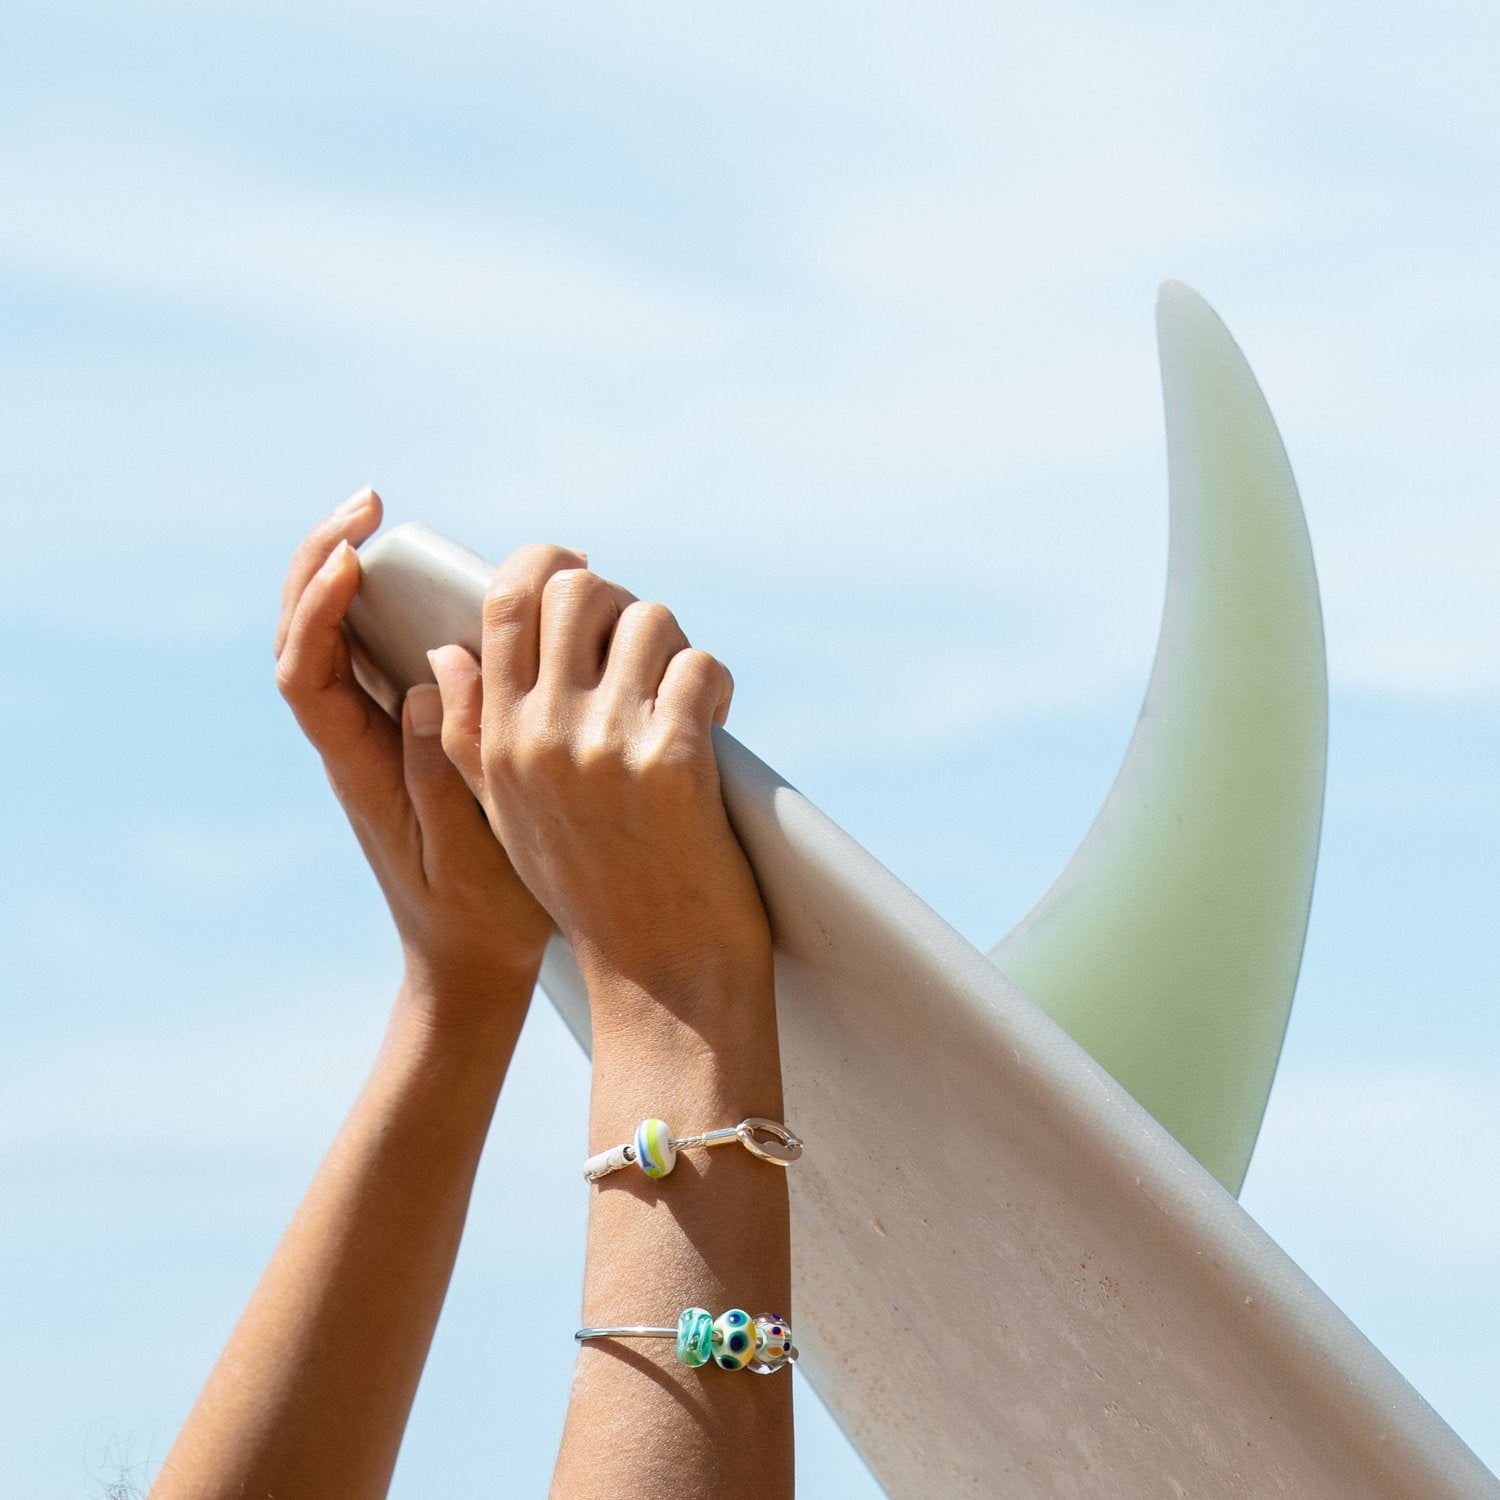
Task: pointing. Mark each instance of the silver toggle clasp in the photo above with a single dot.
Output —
(783, 1147)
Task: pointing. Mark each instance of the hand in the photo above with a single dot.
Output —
(469, 928)
(587, 735)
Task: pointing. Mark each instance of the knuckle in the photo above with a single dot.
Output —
(596, 749)
(541, 749)
(538, 557)
(605, 743)
(572, 586)
(287, 682)
(653, 616)
(673, 758)
(701, 667)
(528, 567)
(504, 606)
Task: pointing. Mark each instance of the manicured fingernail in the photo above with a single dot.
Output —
(356, 502)
(425, 704)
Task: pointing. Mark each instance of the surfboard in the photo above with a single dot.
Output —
(1012, 1278)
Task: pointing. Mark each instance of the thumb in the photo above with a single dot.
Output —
(447, 814)
(462, 692)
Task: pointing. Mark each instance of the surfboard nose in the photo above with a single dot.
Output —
(1169, 945)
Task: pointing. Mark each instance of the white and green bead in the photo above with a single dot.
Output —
(655, 1154)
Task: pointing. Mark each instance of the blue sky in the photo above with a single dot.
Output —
(831, 326)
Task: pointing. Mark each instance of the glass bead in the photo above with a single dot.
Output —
(773, 1340)
(695, 1335)
(734, 1339)
(654, 1152)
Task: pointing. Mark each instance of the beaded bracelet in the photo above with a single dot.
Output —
(733, 1340)
(654, 1149)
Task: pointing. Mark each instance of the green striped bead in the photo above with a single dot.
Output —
(695, 1335)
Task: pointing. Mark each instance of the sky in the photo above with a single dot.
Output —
(832, 327)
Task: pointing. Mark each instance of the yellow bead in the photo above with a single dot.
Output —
(734, 1339)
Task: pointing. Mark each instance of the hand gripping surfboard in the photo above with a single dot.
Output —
(1019, 1267)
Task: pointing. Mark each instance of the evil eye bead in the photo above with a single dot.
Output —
(655, 1154)
(695, 1335)
(733, 1339)
(773, 1339)
(773, 1344)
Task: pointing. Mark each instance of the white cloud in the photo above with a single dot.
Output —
(156, 217)
(944, 366)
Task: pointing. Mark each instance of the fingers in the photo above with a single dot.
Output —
(461, 689)
(361, 748)
(563, 646)
(646, 638)
(449, 817)
(312, 650)
(578, 614)
(695, 690)
(355, 520)
(512, 621)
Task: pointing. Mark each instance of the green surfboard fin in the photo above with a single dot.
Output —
(1169, 945)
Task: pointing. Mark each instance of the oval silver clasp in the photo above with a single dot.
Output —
(783, 1147)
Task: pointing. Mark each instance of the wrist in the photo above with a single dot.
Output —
(445, 1009)
(698, 1061)
(435, 1085)
(720, 993)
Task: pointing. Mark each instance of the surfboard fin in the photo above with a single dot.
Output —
(1169, 945)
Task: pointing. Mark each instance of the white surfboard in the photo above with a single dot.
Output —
(1011, 1279)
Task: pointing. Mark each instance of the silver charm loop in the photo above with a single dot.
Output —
(783, 1148)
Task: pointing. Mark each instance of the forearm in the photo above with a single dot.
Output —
(713, 1234)
(312, 1392)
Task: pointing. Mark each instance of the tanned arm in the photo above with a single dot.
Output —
(310, 1396)
(587, 734)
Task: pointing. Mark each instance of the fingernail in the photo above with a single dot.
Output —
(336, 560)
(425, 704)
(358, 500)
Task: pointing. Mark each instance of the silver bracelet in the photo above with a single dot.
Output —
(654, 1149)
(733, 1341)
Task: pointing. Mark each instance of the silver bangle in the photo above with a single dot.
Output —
(625, 1333)
(734, 1340)
(654, 1149)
